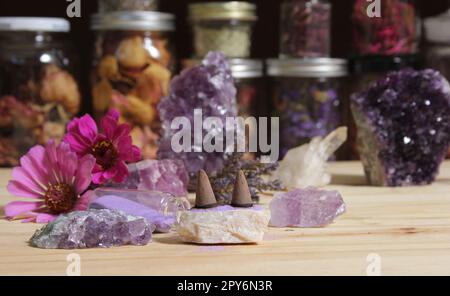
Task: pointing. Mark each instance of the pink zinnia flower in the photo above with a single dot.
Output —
(112, 149)
(54, 177)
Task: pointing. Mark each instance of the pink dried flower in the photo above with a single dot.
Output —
(54, 177)
(112, 149)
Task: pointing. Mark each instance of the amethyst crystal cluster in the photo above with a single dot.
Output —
(403, 125)
(93, 228)
(168, 176)
(210, 88)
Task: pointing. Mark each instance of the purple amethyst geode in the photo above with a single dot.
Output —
(403, 125)
(210, 88)
(93, 229)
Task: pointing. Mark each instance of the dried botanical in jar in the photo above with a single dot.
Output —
(125, 5)
(305, 98)
(132, 71)
(224, 27)
(38, 91)
(305, 28)
(396, 31)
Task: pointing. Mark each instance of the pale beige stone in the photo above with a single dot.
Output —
(222, 227)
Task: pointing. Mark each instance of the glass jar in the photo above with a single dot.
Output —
(306, 98)
(132, 68)
(223, 26)
(305, 28)
(126, 5)
(438, 44)
(393, 28)
(248, 76)
(38, 90)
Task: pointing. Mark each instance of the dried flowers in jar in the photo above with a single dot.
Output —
(126, 5)
(396, 30)
(306, 98)
(38, 90)
(223, 26)
(305, 28)
(132, 68)
(438, 44)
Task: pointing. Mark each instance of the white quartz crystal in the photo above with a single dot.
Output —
(306, 165)
(239, 226)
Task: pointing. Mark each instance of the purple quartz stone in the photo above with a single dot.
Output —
(306, 208)
(168, 176)
(93, 229)
(403, 125)
(210, 88)
(162, 222)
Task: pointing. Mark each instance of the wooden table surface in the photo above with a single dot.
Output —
(404, 231)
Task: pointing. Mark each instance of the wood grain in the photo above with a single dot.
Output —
(409, 228)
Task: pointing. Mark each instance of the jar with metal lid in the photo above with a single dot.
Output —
(305, 28)
(127, 5)
(39, 92)
(306, 98)
(132, 68)
(438, 43)
(390, 28)
(437, 46)
(223, 26)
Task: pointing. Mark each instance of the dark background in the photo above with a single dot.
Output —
(265, 37)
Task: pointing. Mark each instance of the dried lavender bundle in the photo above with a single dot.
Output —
(254, 170)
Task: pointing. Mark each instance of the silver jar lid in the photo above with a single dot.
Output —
(34, 24)
(223, 10)
(240, 68)
(134, 20)
(314, 67)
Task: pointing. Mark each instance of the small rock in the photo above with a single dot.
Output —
(223, 225)
(306, 208)
(92, 229)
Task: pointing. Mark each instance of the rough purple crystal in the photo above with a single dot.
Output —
(160, 209)
(403, 125)
(209, 87)
(93, 229)
(306, 208)
(168, 175)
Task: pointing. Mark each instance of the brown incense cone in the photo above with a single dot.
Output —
(241, 193)
(204, 198)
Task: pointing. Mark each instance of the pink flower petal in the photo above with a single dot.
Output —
(20, 175)
(87, 127)
(109, 126)
(51, 161)
(136, 154)
(33, 163)
(19, 208)
(18, 189)
(43, 218)
(97, 178)
(121, 172)
(114, 114)
(67, 162)
(83, 178)
(77, 143)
